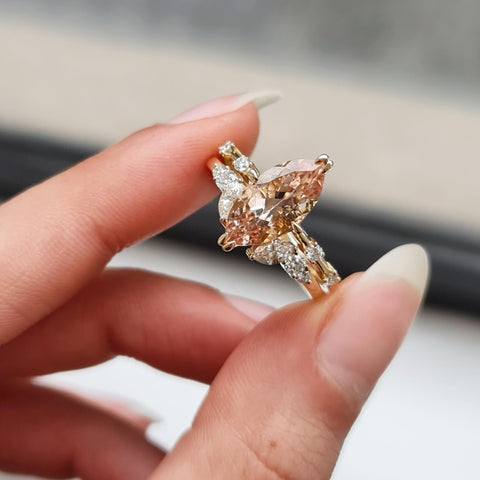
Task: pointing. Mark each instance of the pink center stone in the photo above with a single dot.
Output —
(283, 194)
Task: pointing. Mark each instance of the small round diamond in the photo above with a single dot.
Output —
(303, 276)
(241, 163)
(314, 252)
(296, 267)
(226, 179)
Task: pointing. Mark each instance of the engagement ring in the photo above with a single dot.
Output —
(264, 212)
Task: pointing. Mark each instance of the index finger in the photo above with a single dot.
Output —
(58, 235)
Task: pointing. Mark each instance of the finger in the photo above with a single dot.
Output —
(128, 412)
(177, 326)
(58, 235)
(285, 399)
(48, 433)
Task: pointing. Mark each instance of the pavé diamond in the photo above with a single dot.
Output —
(285, 250)
(224, 176)
(297, 268)
(227, 181)
(314, 252)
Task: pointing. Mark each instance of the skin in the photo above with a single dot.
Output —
(278, 408)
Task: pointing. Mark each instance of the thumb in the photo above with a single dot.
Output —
(284, 401)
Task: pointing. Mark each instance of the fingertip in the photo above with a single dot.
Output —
(369, 325)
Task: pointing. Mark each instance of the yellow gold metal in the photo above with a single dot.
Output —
(329, 163)
(225, 244)
(321, 271)
(230, 154)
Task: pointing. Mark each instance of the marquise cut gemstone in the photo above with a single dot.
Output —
(282, 195)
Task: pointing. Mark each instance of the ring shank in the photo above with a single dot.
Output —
(322, 274)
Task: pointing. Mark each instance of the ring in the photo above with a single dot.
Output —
(264, 212)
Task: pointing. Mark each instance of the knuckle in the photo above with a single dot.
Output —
(91, 229)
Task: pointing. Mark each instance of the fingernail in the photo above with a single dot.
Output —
(255, 310)
(372, 319)
(142, 411)
(408, 262)
(227, 104)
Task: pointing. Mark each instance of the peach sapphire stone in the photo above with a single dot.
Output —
(283, 194)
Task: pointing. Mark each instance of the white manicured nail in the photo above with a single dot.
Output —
(261, 99)
(222, 105)
(408, 262)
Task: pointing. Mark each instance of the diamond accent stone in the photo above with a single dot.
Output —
(314, 252)
(296, 267)
(234, 190)
(227, 181)
(331, 280)
(225, 148)
(265, 254)
(224, 176)
(282, 195)
(225, 204)
(285, 250)
(241, 163)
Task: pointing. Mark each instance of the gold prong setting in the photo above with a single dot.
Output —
(227, 246)
(238, 162)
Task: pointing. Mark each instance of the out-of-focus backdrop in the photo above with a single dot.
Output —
(389, 89)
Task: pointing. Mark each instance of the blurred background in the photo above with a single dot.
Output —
(390, 90)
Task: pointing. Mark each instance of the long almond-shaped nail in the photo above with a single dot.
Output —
(372, 319)
(230, 103)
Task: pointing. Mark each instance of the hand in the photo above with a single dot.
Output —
(279, 407)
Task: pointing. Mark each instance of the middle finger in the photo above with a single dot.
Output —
(181, 327)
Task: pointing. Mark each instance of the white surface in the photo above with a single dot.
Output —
(422, 420)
